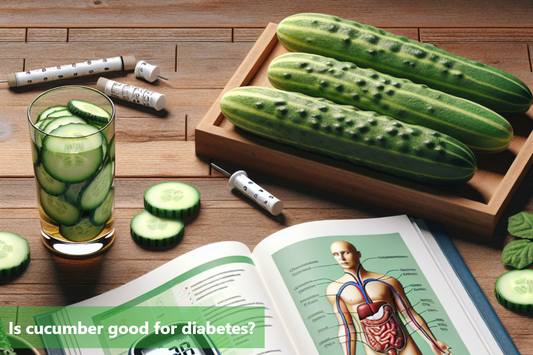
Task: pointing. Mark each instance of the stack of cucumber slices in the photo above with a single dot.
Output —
(75, 175)
(166, 204)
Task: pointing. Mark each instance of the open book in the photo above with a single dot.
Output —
(385, 286)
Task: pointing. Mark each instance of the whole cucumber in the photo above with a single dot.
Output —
(346, 133)
(481, 129)
(402, 57)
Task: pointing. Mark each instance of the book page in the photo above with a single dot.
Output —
(331, 310)
(219, 274)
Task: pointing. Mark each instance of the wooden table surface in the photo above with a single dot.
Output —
(198, 46)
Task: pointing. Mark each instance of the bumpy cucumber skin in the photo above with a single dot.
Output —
(422, 63)
(346, 133)
(480, 128)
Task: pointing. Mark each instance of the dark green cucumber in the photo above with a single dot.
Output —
(346, 133)
(422, 63)
(480, 128)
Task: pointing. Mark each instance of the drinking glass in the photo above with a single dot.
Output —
(74, 164)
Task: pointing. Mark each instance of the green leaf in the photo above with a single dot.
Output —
(521, 225)
(518, 253)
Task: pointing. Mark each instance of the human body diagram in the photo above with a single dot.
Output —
(368, 306)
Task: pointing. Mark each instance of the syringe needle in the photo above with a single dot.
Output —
(220, 169)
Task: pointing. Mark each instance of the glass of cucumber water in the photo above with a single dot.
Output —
(72, 131)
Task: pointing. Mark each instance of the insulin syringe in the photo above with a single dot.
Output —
(262, 197)
(90, 67)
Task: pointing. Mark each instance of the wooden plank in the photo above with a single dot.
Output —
(10, 65)
(12, 34)
(241, 13)
(47, 35)
(209, 65)
(149, 34)
(437, 35)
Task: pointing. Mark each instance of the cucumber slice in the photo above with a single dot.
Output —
(46, 112)
(82, 231)
(61, 121)
(514, 290)
(58, 210)
(149, 230)
(88, 111)
(172, 199)
(103, 212)
(70, 160)
(14, 254)
(60, 113)
(98, 189)
(73, 193)
(49, 184)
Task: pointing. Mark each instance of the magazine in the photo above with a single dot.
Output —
(388, 285)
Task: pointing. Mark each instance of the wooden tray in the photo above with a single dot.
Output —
(476, 206)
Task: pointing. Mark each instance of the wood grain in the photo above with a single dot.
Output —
(241, 13)
(47, 35)
(150, 34)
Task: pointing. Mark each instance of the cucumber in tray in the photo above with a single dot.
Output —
(345, 133)
(70, 161)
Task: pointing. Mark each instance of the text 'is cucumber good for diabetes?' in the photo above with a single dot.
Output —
(422, 63)
(75, 175)
(346, 133)
(481, 129)
(166, 205)
(14, 254)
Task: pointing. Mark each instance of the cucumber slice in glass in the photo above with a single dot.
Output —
(60, 113)
(82, 231)
(88, 111)
(46, 112)
(58, 210)
(61, 121)
(97, 189)
(73, 193)
(172, 199)
(514, 290)
(49, 184)
(72, 160)
(103, 212)
(14, 254)
(149, 230)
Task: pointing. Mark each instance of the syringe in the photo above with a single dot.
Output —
(90, 67)
(262, 197)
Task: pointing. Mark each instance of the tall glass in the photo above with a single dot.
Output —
(74, 164)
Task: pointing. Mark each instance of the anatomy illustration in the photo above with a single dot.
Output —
(368, 306)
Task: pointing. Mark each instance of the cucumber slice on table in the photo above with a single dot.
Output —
(102, 213)
(14, 254)
(98, 189)
(82, 231)
(49, 184)
(514, 290)
(149, 230)
(58, 210)
(172, 199)
(88, 111)
(70, 162)
(46, 112)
